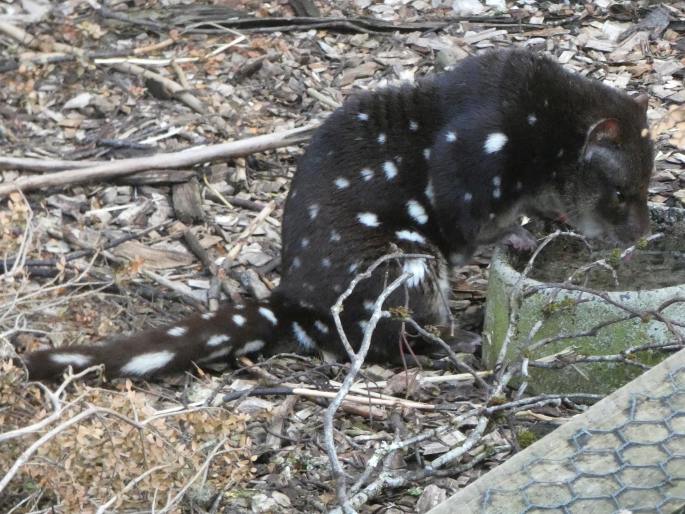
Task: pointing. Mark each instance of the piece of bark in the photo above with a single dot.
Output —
(187, 202)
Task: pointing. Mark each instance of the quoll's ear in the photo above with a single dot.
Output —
(606, 130)
(643, 101)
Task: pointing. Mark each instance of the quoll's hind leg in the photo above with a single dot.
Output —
(423, 297)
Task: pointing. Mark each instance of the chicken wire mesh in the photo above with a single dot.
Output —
(633, 464)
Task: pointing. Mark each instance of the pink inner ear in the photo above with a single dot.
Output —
(605, 129)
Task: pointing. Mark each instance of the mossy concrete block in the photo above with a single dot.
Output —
(562, 314)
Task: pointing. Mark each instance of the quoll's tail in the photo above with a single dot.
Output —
(231, 331)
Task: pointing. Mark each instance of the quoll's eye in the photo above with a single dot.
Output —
(620, 197)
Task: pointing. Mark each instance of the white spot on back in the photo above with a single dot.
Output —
(417, 212)
(496, 193)
(368, 305)
(413, 126)
(468, 197)
(297, 262)
(342, 183)
(492, 216)
(408, 235)
(430, 194)
(177, 331)
(304, 243)
(207, 315)
(75, 359)
(239, 320)
(367, 174)
(147, 362)
(362, 116)
(306, 342)
(313, 210)
(519, 185)
(644, 133)
(335, 237)
(363, 324)
(390, 170)
(250, 347)
(268, 314)
(532, 119)
(353, 267)
(496, 181)
(495, 142)
(426, 153)
(368, 218)
(451, 137)
(326, 262)
(417, 267)
(381, 138)
(560, 153)
(321, 327)
(218, 339)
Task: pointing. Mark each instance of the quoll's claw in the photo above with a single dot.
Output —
(521, 240)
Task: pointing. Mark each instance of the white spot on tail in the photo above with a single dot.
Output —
(451, 137)
(368, 218)
(268, 314)
(426, 153)
(495, 142)
(532, 119)
(306, 342)
(417, 212)
(239, 320)
(221, 352)
(75, 359)
(381, 138)
(362, 116)
(413, 126)
(367, 174)
(177, 331)
(390, 170)
(250, 347)
(321, 327)
(408, 235)
(417, 267)
(147, 362)
(342, 183)
(313, 210)
(217, 340)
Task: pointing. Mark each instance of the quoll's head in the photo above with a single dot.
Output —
(606, 195)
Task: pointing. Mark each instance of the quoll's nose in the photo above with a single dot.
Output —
(638, 223)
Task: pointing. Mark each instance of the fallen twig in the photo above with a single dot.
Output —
(184, 158)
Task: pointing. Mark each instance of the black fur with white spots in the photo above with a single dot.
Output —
(438, 167)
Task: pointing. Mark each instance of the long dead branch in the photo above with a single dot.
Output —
(184, 158)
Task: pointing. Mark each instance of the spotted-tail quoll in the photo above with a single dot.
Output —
(437, 167)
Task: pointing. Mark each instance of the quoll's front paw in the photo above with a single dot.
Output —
(521, 240)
